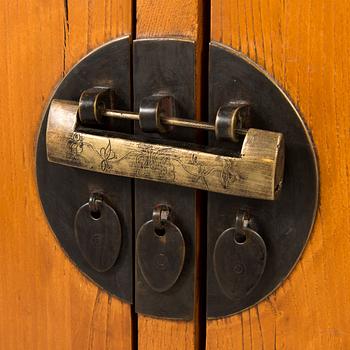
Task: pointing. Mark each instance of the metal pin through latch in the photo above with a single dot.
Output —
(156, 114)
(161, 214)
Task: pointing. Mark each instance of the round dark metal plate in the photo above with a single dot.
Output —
(284, 224)
(63, 190)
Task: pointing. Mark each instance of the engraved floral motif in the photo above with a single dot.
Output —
(197, 170)
(75, 145)
(228, 174)
(106, 155)
(154, 163)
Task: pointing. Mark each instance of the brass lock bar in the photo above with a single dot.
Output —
(256, 173)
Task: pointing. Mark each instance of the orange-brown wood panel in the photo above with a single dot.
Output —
(304, 45)
(45, 302)
(180, 19)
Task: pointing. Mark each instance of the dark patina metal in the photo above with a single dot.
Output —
(151, 110)
(92, 104)
(160, 251)
(166, 67)
(63, 190)
(285, 223)
(161, 215)
(98, 233)
(239, 259)
(92, 213)
(232, 121)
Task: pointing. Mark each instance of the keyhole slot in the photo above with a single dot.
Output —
(240, 237)
(96, 215)
(160, 231)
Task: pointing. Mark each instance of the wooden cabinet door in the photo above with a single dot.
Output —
(304, 45)
(45, 302)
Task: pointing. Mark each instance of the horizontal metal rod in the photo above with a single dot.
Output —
(121, 114)
(172, 121)
(187, 123)
(164, 120)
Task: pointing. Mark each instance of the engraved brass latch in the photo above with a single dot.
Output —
(257, 172)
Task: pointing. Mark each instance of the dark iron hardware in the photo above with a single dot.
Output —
(170, 74)
(256, 228)
(98, 233)
(63, 190)
(160, 250)
(239, 258)
(160, 257)
(156, 114)
(284, 224)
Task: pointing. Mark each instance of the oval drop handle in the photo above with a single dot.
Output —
(239, 260)
(160, 251)
(98, 233)
(256, 173)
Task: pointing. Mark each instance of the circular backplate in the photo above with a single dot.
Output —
(63, 190)
(284, 224)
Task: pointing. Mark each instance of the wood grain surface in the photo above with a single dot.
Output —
(180, 19)
(304, 45)
(45, 302)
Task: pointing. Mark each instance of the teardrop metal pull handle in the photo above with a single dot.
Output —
(98, 233)
(160, 251)
(239, 259)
